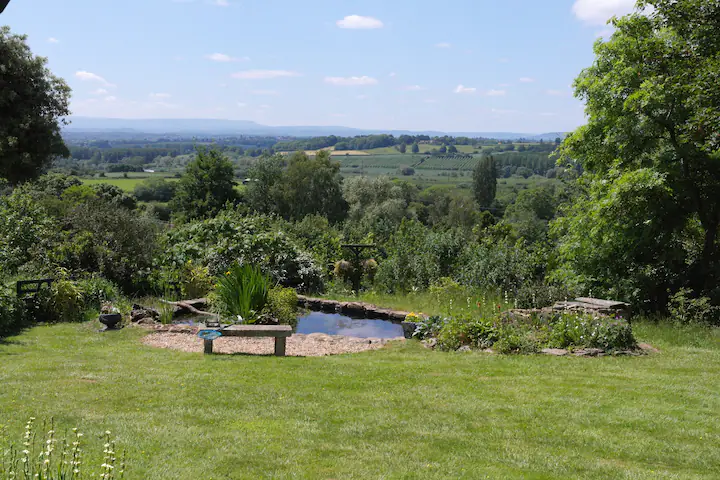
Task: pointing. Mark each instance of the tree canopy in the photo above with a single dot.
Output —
(206, 187)
(653, 105)
(33, 103)
(485, 182)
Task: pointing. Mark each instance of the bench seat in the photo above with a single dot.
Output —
(279, 332)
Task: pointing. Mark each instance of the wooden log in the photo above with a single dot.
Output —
(208, 346)
(280, 346)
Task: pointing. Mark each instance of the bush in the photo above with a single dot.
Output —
(242, 293)
(685, 308)
(584, 330)
(12, 317)
(96, 291)
(282, 305)
(232, 238)
(514, 333)
(467, 331)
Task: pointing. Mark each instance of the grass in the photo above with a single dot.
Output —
(402, 412)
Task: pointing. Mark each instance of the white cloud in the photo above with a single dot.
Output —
(392, 74)
(413, 88)
(598, 12)
(504, 85)
(91, 77)
(221, 57)
(527, 80)
(221, 3)
(363, 97)
(264, 74)
(160, 95)
(241, 105)
(265, 92)
(496, 93)
(53, 40)
(605, 33)
(443, 45)
(99, 91)
(110, 99)
(359, 22)
(464, 89)
(501, 111)
(351, 81)
(265, 106)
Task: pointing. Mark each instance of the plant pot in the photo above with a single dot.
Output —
(110, 320)
(409, 329)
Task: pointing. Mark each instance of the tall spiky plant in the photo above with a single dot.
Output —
(242, 293)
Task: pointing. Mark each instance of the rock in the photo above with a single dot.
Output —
(430, 343)
(588, 352)
(489, 350)
(352, 308)
(464, 349)
(139, 313)
(146, 321)
(647, 348)
(558, 352)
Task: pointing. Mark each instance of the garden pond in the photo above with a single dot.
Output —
(330, 324)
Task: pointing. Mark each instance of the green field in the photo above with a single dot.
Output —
(401, 412)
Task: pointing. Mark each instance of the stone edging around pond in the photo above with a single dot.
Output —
(356, 309)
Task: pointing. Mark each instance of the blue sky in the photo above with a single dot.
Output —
(457, 65)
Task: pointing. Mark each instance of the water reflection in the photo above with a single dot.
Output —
(336, 324)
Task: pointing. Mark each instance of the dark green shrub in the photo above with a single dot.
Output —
(231, 238)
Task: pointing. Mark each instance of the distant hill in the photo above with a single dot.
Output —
(244, 127)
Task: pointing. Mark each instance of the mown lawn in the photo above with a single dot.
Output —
(403, 412)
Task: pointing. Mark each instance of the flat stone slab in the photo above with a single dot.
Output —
(256, 331)
(558, 352)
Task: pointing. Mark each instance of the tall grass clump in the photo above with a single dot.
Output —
(43, 456)
(242, 293)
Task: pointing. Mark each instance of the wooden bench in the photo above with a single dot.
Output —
(279, 332)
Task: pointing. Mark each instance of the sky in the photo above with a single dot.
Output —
(457, 65)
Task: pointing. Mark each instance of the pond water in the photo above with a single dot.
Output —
(330, 324)
(336, 324)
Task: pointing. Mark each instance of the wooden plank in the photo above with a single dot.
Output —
(208, 346)
(280, 346)
(602, 303)
(257, 331)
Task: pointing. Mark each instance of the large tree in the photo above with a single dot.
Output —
(485, 182)
(653, 105)
(33, 104)
(206, 187)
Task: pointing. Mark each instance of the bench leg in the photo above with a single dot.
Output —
(279, 346)
(208, 346)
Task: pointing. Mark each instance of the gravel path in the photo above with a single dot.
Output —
(312, 345)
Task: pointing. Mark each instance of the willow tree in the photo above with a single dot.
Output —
(653, 105)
